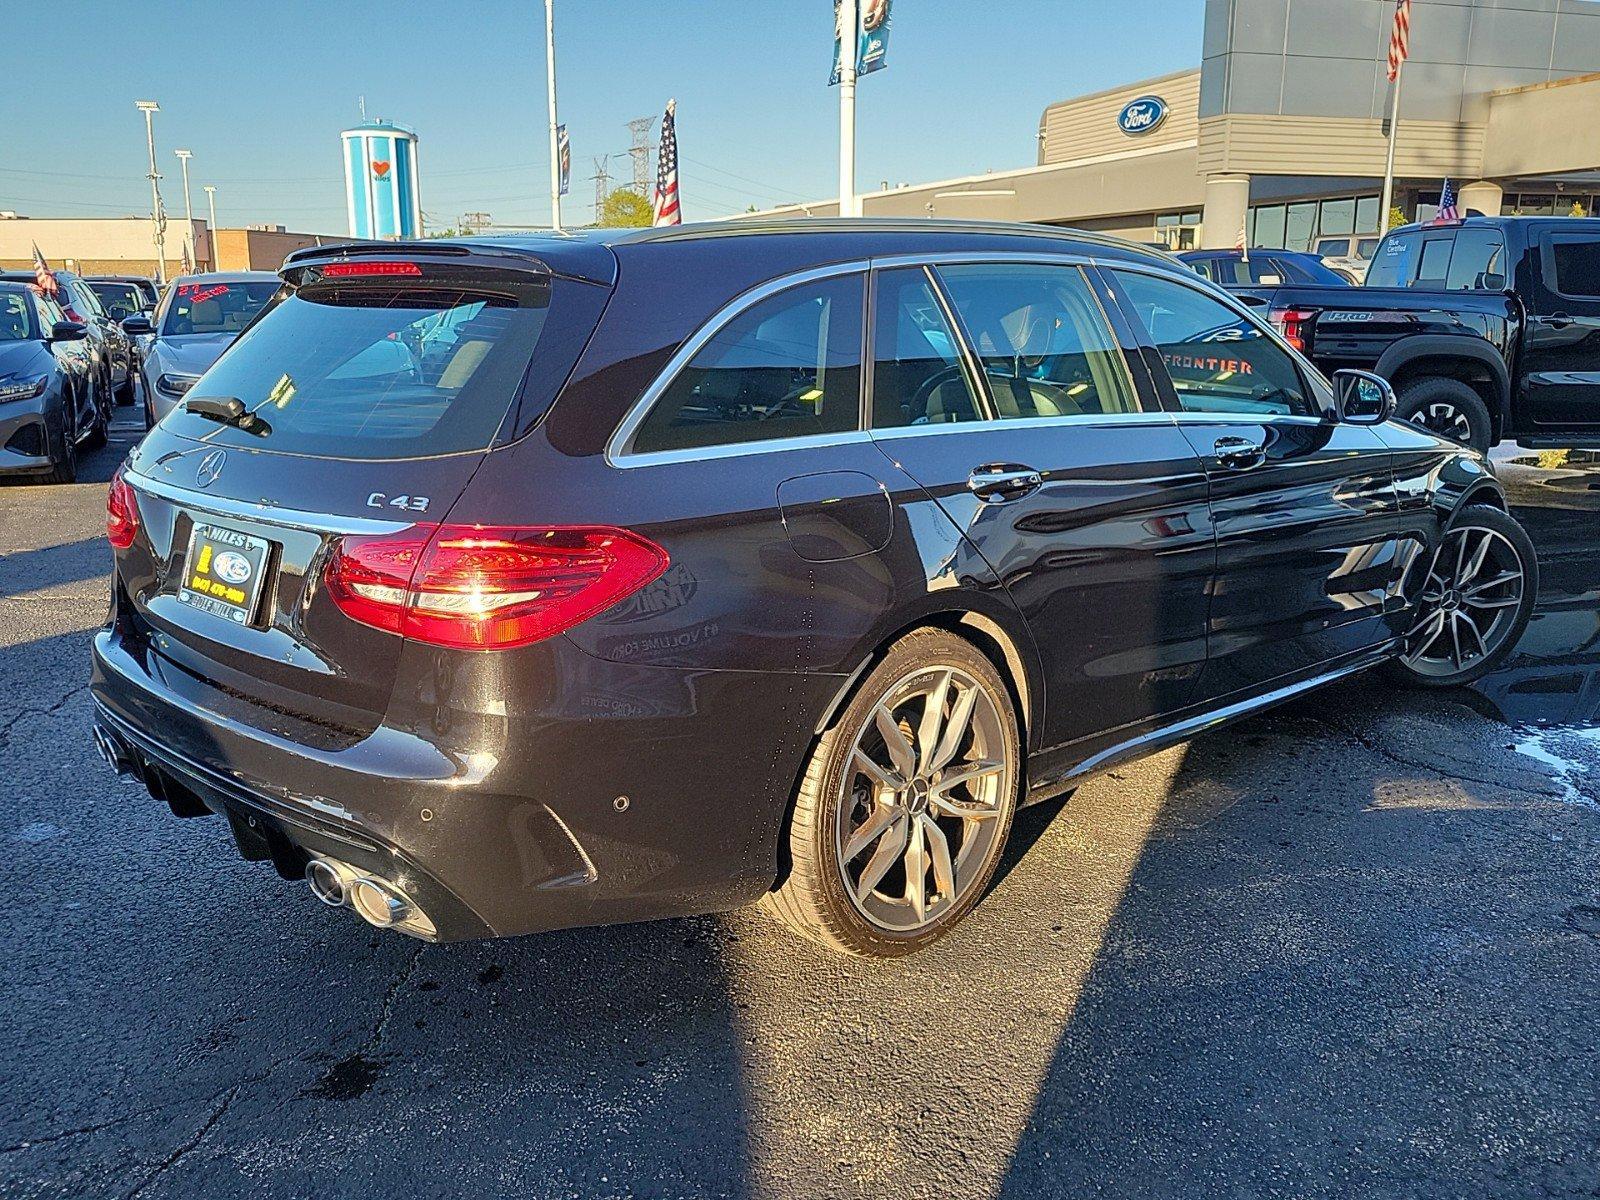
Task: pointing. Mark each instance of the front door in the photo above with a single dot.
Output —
(1001, 389)
(1303, 507)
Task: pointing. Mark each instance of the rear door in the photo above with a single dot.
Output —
(1561, 353)
(1003, 389)
(353, 429)
(1303, 506)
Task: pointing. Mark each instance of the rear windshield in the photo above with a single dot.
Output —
(201, 307)
(378, 372)
(119, 299)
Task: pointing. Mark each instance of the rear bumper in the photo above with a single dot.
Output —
(617, 814)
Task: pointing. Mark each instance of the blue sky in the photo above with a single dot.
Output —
(259, 92)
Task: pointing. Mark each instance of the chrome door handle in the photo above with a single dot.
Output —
(999, 483)
(1239, 454)
(1558, 321)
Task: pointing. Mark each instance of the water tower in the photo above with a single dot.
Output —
(380, 181)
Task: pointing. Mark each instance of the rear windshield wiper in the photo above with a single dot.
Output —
(229, 410)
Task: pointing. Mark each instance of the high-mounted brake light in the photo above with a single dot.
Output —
(122, 513)
(1291, 323)
(340, 270)
(472, 587)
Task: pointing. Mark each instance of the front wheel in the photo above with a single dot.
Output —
(1472, 604)
(906, 802)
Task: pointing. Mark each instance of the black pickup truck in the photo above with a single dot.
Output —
(1489, 328)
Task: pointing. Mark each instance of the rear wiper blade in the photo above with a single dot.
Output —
(229, 410)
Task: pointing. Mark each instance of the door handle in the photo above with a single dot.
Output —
(1558, 320)
(1239, 454)
(999, 483)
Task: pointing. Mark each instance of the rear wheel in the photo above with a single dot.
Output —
(1449, 408)
(906, 802)
(1472, 603)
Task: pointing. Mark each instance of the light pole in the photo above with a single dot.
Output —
(550, 72)
(849, 47)
(157, 221)
(188, 211)
(210, 189)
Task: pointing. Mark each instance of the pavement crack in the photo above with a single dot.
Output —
(194, 1140)
(386, 1011)
(1375, 746)
(35, 711)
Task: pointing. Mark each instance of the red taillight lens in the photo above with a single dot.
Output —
(1292, 322)
(122, 513)
(346, 269)
(477, 588)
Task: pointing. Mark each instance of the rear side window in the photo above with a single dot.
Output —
(392, 371)
(1576, 265)
(917, 376)
(1395, 264)
(1434, 265)
(1042, 339)
(788, 366)
(1218, 361)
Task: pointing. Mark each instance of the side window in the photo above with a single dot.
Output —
(1219, 361)
(788, 366)
(1395, 261)
(1270, 272)
(1042, 339)
(1434, 266)
(1576, 266)
(1478, 263)
(917, 376)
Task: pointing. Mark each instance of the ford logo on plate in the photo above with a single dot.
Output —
(1142, 115)
(231, 567)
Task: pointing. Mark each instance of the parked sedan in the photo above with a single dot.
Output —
(1236, 271)
(144, 288)
(501, 585)
(48, 405)
(109, 349)
(199, 316)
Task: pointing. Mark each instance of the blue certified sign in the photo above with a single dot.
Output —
(1142, 115)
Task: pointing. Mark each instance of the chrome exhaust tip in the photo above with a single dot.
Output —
(112, 751)
(328, 882)
(377, 903)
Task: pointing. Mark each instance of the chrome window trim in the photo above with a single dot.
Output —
(656, 458)
(618, 452)
(1076, 420)
(265, 514)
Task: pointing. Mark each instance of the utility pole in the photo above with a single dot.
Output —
(1387, 204)
(555, 152)
(158, 220)
(210, 190)
(849, 46)
(602, 184)
(188, 211)
(473, 221)
(640, 150)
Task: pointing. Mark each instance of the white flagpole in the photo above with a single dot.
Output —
(1387, 204)
(849, 46)
(555, 154)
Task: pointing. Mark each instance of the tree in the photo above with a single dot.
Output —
(625, 208)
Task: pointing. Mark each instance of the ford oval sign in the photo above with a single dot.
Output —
(1142, 115)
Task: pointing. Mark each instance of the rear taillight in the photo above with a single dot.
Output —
(122, 513)
(1293, 324)
(480, 588)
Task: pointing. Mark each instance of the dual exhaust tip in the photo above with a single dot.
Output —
(375, 900)
(115, 755)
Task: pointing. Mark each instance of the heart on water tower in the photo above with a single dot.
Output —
(380, 169)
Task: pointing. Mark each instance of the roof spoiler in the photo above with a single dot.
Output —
(590, 266)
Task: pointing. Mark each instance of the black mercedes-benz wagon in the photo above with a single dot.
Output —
(499, 585)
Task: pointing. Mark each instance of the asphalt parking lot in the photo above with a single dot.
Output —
(1349, 948)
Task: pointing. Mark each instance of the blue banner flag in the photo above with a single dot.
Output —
(564, 153)
(871, 37)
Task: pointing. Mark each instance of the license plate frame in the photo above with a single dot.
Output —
(225, 572)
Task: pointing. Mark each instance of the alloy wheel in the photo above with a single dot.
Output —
(1445, 419)
(1469, 602)
(919, 807)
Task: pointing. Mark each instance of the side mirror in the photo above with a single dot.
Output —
(138, 324)
(1364, 398)
(68, 331)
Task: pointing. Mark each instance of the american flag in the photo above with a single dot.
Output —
(1447, 205)
(1399, 38)
(44, 279)
(667, 211)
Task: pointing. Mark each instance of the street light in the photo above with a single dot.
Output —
(188, 210)
(210, 189)
(157, 221)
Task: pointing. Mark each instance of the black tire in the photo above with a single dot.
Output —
(815, 898)
(124, 395)
(1509, 618)
(65, 469)
(96, 437)
(1449, 408)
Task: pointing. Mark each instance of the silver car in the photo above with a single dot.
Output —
(197, 319)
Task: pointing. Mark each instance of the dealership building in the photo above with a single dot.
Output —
(1283, 128)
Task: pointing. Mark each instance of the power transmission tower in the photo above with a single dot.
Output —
(602, 183)
(640, 152)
